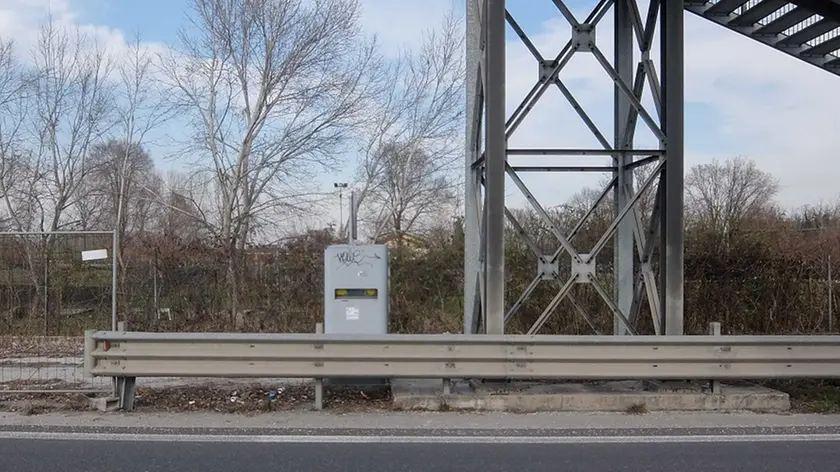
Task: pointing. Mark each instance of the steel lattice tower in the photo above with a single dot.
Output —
(489, 160)
(806, 29)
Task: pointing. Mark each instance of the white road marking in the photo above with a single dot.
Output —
(339, 439)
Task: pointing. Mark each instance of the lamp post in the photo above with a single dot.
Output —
(340, 186)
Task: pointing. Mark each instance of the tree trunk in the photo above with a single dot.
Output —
(233, 285)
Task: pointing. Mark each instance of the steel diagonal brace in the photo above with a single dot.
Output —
(482, 263)
(570, 17)
(583, 313)
(564, 293)
(552, 306)
(627, 208)
(632, 114)
(644, 33)
(645, 70)
(568, 296)
(523, 36)
(478, 108)
(522, 298)
(601, 243)
(583, 115)
(586, 216)
(644, 244)
(653, 83)
(521, 232)
(537, 91)
(599, 246)
(611, 304)
(564, 242)
(536, 281)
(625, 89)
(647, 44)
(642, 74)
(560, 61)
(534, 248)
(560, 85)
(646, 274)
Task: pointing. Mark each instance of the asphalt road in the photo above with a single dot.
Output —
(366, 454)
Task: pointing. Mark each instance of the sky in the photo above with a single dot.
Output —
(742, 98)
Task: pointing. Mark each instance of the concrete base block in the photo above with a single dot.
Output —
(105, 403)
(624, 396)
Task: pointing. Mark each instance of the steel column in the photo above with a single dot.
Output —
(673, 122)
(623, 257)
(472, 174)
(494, 167)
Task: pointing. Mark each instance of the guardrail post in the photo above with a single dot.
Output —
(319, 383)
(115, 381)
(127, 387)
(447, 387)
(714, 330)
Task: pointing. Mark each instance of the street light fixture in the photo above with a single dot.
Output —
(340, 186)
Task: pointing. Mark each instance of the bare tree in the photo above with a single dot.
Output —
(817, 216)
(272, 88)
(182, 217)
(141, 108)
(722, 196)
(13, 156)
(411, 149)
(71, 102)
(409, 190)
(585, 203)
(117, 187)
(66, 100)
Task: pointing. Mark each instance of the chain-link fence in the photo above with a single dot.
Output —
(53, 286)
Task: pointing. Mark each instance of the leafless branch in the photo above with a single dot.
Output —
(410, 150)
(721, 196)
(71, 104)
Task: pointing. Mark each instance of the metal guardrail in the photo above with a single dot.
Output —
(127, 355)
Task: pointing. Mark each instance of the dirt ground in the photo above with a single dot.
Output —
(40, 346)
(240, 399)
(806, 397)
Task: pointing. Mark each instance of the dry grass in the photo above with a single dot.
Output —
(41, 346)
(637, 409)
(810, 396)
(39, 403)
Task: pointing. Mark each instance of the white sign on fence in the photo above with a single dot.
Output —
(95, 255)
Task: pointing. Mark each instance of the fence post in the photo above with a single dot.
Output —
(830, 298)
(114, 276)
(90, 346)
(319, 383)
(714, 330)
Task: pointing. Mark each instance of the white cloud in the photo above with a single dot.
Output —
(400, 24)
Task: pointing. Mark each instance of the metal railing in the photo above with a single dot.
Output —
(52, 285)
(127, 355)
(45, 364)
